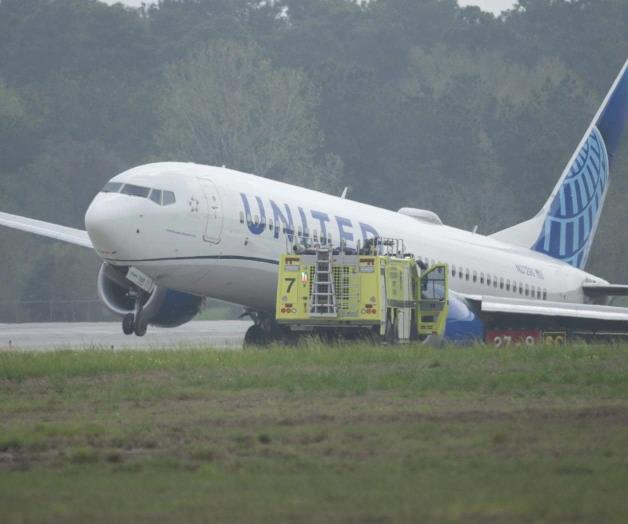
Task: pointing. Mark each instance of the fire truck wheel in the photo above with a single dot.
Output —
(255, 336)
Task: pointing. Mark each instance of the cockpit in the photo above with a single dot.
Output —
(159, 196)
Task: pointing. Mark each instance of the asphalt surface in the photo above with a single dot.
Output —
(108, 335)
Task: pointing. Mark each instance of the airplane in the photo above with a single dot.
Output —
(172, 233)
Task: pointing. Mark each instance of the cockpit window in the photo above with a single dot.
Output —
(161, 198)
(138, 191)
(155, 196)
(168, 198)
(112, 187)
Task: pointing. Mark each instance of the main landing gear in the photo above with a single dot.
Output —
(135, 322)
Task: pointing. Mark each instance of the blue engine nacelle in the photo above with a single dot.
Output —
(163, 307)
(176, 308)
(463, 325)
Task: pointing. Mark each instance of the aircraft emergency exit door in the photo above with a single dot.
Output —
(213, 211)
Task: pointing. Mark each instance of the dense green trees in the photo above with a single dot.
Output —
(226, 105)
(408, 103)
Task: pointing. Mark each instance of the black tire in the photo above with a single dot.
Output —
(255, 336)
(141, 325)
(128, 324)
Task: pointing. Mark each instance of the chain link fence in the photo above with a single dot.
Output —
(54, 311)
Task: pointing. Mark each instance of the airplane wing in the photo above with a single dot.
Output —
(585, 320)
(46, 229)
(516, 307)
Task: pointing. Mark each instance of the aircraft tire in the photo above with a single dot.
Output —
(128, 324)
(141, 325)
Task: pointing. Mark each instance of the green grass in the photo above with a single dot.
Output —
(315, 434)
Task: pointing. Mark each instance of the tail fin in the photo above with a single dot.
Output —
(565, 226)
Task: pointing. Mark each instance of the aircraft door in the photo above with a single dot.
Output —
(213, 211)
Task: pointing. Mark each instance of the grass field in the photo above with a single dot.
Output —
(315, 434)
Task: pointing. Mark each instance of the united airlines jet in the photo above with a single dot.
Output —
(170, 234)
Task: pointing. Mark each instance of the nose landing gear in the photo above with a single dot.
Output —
(135, 322)
(128, 324)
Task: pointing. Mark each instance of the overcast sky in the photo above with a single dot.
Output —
(496, 6)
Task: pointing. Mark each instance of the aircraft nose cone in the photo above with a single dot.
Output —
(107, 225)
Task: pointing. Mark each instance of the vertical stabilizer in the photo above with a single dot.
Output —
(565, 226)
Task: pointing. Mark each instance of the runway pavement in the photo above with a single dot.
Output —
(108, 335)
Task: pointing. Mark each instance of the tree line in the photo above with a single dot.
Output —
(407, 103)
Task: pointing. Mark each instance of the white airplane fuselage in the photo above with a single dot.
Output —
(224, 234)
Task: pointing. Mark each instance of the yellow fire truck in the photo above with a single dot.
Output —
(378, 291)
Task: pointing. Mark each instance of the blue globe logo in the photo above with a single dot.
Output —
(575, 211)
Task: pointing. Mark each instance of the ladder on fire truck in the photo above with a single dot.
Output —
(323, 300)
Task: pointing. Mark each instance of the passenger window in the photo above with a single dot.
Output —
(527, 290)
(475, 276)
(168, 198)
(488, 280)
(155, 196)
(241, 217)
(520, 288)
(270, 224)
(494, 281)
(501, 283)
(545, 294)
(453, 271)
(481, 278)
(466, 274)
(459, 272)
(508, 285)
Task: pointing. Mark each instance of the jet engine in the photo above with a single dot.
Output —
(162, 307)
(463, 325)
